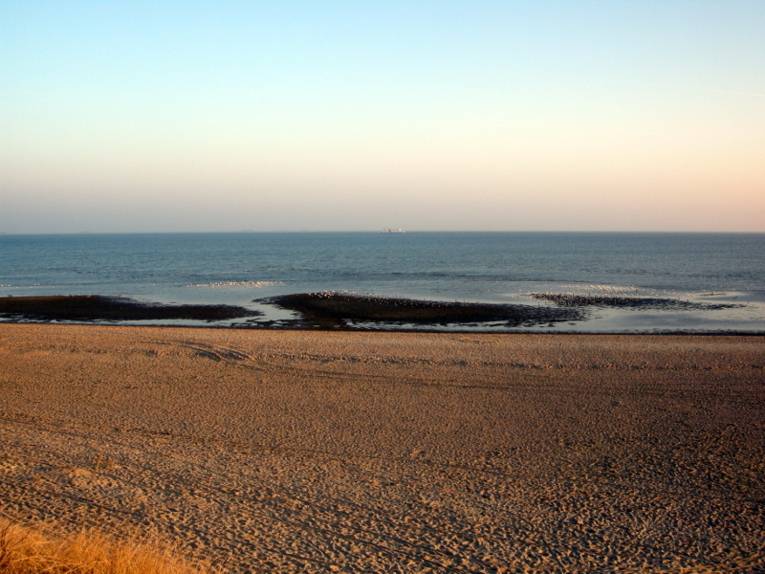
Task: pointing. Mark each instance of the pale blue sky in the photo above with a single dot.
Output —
(347, 115)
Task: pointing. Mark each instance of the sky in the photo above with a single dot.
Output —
(339, 115)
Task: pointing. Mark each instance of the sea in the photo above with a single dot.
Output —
(242, 268)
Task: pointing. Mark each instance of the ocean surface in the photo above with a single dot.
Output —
(237, 268)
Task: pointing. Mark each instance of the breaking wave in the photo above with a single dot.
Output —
(237, 284)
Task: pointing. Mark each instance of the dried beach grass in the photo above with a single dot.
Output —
(25, 550)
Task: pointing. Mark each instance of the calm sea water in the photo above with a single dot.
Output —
(492, 267)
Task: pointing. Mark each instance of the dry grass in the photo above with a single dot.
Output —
(36, 551)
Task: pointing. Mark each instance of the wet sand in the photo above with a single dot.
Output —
(282, 451)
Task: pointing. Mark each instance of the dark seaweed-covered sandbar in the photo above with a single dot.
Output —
(570, 300)
(100, 308)
(329, 308)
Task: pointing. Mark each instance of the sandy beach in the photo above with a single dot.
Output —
(291, 451)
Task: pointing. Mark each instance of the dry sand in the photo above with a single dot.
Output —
(386, 452)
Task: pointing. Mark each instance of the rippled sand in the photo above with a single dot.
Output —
(312, 451)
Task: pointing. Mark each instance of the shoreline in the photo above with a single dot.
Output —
(345, 312)
(391, 330)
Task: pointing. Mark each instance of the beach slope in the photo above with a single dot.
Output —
(395, 452)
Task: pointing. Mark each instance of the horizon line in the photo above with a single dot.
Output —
(382, 231)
